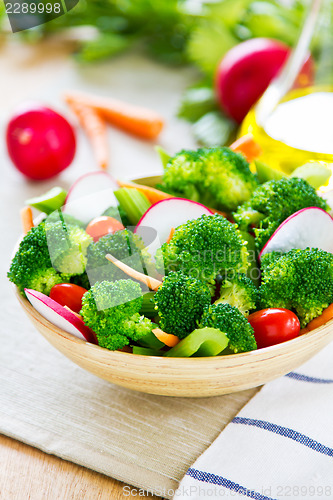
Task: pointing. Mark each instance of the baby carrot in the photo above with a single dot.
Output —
(151, 193)
(172, 232)
(325, 316)
(167, 338)
(95, 128)
(151, 283)
(139, 121)
(26, 219)
(247, 146)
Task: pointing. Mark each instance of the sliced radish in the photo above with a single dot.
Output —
(60, 316)
(90, 196)
(310, 227)
(167, 214)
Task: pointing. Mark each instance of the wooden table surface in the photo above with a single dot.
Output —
(25, 472)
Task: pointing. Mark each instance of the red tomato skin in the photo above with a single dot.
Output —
(273, 326)
(40, 142)
(68, 294)
(100, 226)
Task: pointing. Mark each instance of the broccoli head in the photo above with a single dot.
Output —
(67, 219)
(205, 247)
(216, 177)
(31, 266)
(272, 203)
(229, 320)
(125, 246)
(300, 280)
(67, 246)
(111, 310)
(180, 302)
(183, 176)
(238, 290)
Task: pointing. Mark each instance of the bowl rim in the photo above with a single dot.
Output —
(266, 352)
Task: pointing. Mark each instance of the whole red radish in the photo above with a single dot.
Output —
(41, 143)
(246, 71)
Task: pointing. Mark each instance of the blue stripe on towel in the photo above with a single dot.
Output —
(306, 378)
(286, 432)
(207, 477)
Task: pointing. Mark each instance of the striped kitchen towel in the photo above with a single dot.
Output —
(280, 446)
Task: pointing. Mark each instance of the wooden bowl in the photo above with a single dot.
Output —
(183, 377)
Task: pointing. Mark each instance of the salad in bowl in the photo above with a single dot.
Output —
(213, 260)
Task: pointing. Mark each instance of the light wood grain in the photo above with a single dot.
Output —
(27, 473)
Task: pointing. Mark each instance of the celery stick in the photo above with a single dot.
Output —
(133, 202)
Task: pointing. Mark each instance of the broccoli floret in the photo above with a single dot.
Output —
(205, 247)
(31, 266)
(272, 203)
(269, 258)
(238, 290)
(119, 214)
(67, 246)
(81, 280)
(125, 246)
(183, 175)
(67, 219)
(216, 177)
(111, 310)
(300, 280)
(180, 302)
(229, 320)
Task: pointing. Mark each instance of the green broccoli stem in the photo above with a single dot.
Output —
(133, 202)
(148, 305)
(201, 342)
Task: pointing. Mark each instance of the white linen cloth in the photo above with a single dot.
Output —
(279, 446)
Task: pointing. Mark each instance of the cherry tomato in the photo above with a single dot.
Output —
(68, 294)
(100, 226)
(272, 326)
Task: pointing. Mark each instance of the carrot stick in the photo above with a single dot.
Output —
(139, 121)
(325, 316)
(95, 128)
(167, 338)
(247, 146)
(152, 283)
(154, 195)
(26, 219)
(172, 232)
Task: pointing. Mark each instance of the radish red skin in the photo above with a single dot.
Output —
(40, 142)
(245, 72)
